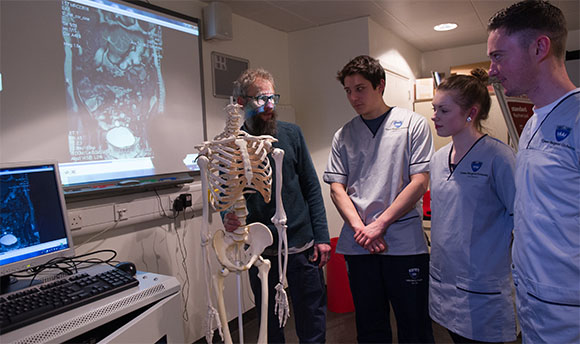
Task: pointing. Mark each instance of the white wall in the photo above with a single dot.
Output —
(442, 60)
(573, 41)
(394, 53)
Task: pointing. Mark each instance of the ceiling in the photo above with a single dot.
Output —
(412, 20)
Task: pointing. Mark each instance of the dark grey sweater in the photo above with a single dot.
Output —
(301, 193)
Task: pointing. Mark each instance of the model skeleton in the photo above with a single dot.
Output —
(233, 164)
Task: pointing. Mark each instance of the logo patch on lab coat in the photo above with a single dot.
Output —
(398, 124)
(476, 165)
(562, 132)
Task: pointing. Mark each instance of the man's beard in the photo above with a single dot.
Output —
(257, 126)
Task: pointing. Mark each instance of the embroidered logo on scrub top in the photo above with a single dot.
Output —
(476, 165)
(398, 124)
(474, 173)
(414, 274)
(562, 132)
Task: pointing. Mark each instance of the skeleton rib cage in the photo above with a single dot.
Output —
(234, 170)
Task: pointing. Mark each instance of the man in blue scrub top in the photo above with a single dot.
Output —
(526, 45)
(378, 170)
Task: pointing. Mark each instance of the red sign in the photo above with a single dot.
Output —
(520, 112)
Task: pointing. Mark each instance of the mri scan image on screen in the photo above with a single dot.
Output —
(114, 82)
(121, 91)
(18, 220)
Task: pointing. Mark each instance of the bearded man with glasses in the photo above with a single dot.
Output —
(308, 238)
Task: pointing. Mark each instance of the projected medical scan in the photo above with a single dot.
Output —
(113, 82)
(17, 220)
(115, 94)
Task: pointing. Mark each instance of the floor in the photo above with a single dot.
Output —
(340, 328)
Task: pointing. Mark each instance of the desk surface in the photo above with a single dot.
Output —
(152, 288)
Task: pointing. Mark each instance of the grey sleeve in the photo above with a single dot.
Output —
(337, 168)
(421, 142)
(503, 177)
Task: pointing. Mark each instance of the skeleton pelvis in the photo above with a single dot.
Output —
(238, 251)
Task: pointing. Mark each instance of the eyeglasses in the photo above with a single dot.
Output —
(263, 99)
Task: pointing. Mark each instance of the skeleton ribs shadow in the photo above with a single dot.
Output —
(232, 164)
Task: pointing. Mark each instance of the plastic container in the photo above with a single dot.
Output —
(337, 286)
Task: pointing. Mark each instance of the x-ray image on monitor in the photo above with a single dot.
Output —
(33, 225)
(17, 219)
(113, 80)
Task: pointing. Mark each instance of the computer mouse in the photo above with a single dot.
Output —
(128, 267)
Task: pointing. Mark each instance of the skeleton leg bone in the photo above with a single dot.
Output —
(263, 268)
(219, 289)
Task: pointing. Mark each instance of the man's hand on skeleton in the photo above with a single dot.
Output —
(231, 222)
(322, 251)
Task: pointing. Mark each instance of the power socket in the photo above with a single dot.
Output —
(75, 221)
(182, 202)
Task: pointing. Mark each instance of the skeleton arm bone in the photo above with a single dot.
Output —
(282, 307)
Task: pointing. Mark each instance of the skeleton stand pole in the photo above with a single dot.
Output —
(212, 314)
(240, 314)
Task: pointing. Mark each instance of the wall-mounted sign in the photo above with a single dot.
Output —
(516, 112)
(225, 70)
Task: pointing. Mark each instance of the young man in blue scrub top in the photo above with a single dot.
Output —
(308, 238)
(527, 48)
(472, 193)
(378, 170)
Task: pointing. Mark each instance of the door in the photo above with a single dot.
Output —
(398, 91)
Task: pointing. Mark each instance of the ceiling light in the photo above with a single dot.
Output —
(445, 27)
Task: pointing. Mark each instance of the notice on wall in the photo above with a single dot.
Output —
(520, 111)
(516, 112)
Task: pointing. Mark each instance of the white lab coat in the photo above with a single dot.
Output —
(546, 251)
(470, 290)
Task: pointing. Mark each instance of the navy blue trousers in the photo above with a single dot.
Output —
(307, 291)
(404, 281)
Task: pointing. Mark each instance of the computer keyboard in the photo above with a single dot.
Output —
(36, 303)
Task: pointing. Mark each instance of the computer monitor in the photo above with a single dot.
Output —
(34, 224)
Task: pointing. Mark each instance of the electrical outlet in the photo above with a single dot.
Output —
(75, 221)
(121, 212)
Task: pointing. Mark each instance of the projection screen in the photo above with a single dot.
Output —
(111, 90)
